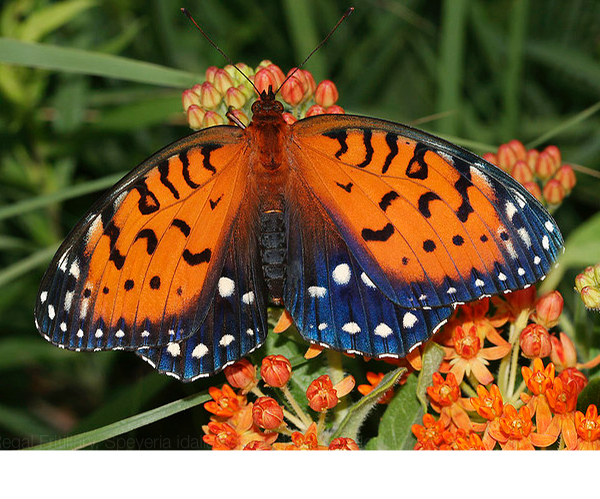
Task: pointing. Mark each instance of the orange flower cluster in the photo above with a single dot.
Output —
(226, 95)
(237, 423)
(541, 173)
(538, 413)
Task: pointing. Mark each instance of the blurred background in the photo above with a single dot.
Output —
(72, 121)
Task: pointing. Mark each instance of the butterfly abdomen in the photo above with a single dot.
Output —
(273, 251)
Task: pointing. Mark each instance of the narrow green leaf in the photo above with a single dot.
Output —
(432, 358)
(91, 63)
(20, 422)
(125, 425)
(395, 428)
(23, 266)
(47, 19)
(359, 411)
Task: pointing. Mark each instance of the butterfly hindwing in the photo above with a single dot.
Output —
(333, 300)
(236, 323)
(436, 224)
(141, 268)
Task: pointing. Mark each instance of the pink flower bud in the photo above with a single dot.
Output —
(264, 80)
(532, 157)
(267, 413)
(521, 172)
(491, 157)
(326, 94)
(563, 352)
(591, 297)
(289, 118)
(553, 192)
(210, 97)
(212, 119)
(335, 110)
(276, 370)
(519, 149)
(534, 190)
(566, 177)
(222, 81)
(535, 341)
(292, 91)
(548, 309)
(241, 117)
(195, 117)
(545, 165)
(321, 395)
(241, 375)
(210, 73)
(315, 110)
(506, 157)
(189, 98)
(234, 97)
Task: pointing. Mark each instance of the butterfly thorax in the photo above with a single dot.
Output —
(268, 136)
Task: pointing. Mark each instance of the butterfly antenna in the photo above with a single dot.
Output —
(185, 11)
(342, 19)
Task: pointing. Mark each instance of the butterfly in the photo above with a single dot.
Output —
(368, 232)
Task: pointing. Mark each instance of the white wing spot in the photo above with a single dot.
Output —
(479, 283)
(524, 235)
(174, 349)
(145, 333)
(63, 327)
(80, 333)
(171, 332)
(226, 340)
(545, 243)
(249, 332)
(383, 330)
(62, 265)
(317, 292)
(341, 274)
(422, 297)
(248, 298)
(226, 287)
(501, 276)
(99, 333)
(200, 351)
(51, 312)
(511, 209)
(351, 328)
(451, 291)
(537, 260)
(120, 333)
(549, 225)
(74, 270)
(43, 296)
(322, 326)
(521, 271)
(409, 320)
(365, 278)
(69, 300)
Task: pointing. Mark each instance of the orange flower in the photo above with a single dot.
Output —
(515, 431)
(307, 441)
(445, 399)
(374, 379)
(429, 434)
(467, 354)
(562, 398)
(588, 429)
(220, 436)
(538, 381)
(490, 406)
(321, 395)
(225, 402)
(511, 305)
(459, 439)
(342, 443)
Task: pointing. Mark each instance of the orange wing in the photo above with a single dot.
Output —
(430, 223)
(143, 266)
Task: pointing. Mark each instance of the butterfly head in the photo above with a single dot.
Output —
(266, 105)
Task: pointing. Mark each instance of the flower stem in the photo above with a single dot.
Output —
(513, 369)
(321, 422)
(336, 373)
(306, 421)
(468, 389)
(504, 370)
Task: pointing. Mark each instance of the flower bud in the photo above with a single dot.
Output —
(267, 413)
(343, 443)
(521, 172)
(234, 97)
(545, 165)
(241, 375)
(591, 297)
(563, 352)
(240, 116)
(278, 75)
(212, 119)
(553, 192)
(276, 370)
(326, 94)
(321, 395)
(315, 110)
(292, 91)
(210, 97)
(258, 445)
(195, 117)
(532, 157)
(535, 342)
(554, 153)
(491, 157)
(308, 82)
(222, 81)
(519, 150)
(585, 279)
(290, 119)
(575, 376)
(189, 98)
(566, 177)
(534, 190)
(548, 309)
(506, 157)
(264, 79)
(210, 73)
(335, 110)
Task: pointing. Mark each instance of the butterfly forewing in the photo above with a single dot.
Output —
(432, 224)
(142, 266)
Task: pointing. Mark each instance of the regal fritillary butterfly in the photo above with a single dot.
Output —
(368, 232)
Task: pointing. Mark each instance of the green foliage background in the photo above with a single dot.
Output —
(90, 88)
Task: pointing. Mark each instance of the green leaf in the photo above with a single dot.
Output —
(432, 358)
(47, 19)
(358, 412)
(403, 411)
(20, 422)
(91, 63)
(125, 425)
